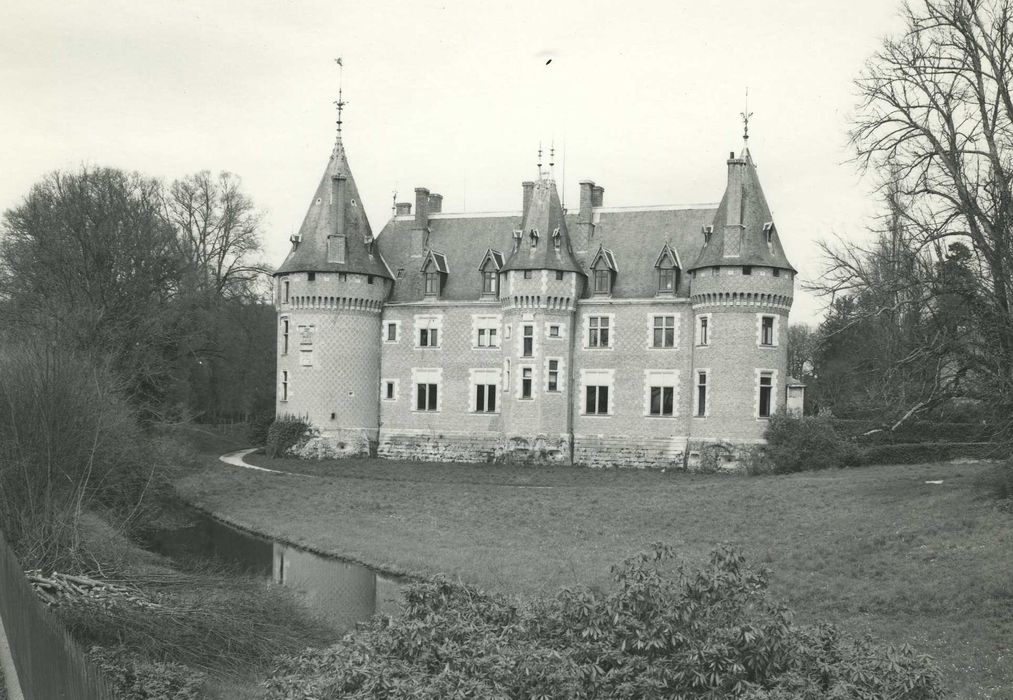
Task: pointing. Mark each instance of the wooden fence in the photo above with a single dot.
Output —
(50, 665)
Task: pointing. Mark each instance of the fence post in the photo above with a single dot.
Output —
(10, 671)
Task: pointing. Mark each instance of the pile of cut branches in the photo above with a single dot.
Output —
(58, 588)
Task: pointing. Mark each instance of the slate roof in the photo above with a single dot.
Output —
(542, 224)
(310, 253)
(635, 236)
(754, 214)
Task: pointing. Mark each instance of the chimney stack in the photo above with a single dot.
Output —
(597, 195)
(338, 203)
(420, 230)
(529, 190)
(403, 208)
(435, 203)
(586, 201)
(734, 191)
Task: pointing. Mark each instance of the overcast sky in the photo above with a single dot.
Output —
(454, 96)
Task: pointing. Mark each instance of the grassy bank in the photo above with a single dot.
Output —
(876, 550)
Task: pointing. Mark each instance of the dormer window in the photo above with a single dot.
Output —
(556, 238)
(533, 233)
(707, 231)
(603, 271)
(768, 231)
(490, 267)
(434, 272)
(668, 267)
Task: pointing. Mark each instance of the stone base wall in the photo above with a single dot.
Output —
(336, 444)
(719, 456)
(428, 446)
(628, 452)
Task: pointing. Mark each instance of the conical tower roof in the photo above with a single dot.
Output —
(310, 248)
(743, 231)
(545, 241)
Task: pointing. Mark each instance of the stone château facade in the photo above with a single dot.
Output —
(605, 336)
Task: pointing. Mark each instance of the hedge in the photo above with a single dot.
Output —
(915, 453)
(918, 431)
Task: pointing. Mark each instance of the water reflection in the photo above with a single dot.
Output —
(342, 593)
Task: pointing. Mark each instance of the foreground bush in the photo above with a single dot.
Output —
(796, 444)
(284, 434)
(658, 634)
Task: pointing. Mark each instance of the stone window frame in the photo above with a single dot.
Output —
(286, 327)
(519, 388)
(527, 339)
(698, 335)
(428, 322)
(392, 381)
(284, 387)
(663, 379)
(708, 391)
(485, 376)
(587, 331)
(560, 376)
(761, 372)
(775, 330)
(285, 290)
(559, 331)
(427, 375)
(386, 332)
(597, 377)
(306, 356)
(486, 322)
(676, 330)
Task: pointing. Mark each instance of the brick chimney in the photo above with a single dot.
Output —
(597, 195)
(529, 189)
(403, 208)
(585, 227)
(435, 203)
(733, 205)
(338, 203)
(420, 229)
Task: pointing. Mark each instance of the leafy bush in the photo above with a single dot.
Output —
(660, 632)
(136, 678)
(915, 431)
(930, 452)
(259, 426)
(796, 444)
(284, 434)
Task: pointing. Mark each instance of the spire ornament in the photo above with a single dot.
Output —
(339, 102)
(745, 122)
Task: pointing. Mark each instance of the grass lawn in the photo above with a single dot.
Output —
(874, 549)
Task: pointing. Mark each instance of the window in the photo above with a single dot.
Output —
(342, 277)
(284, 336)
(432, 284)
(391, 332)
(528, 340)
(767, 330)
(284, 385)
(487, 338)
(489, 282)
(336, 248)
(777, 272)
(284, 294)
(559, 274)
(602, 281)
(485, 398)
(666, 280)
(526, 373)
(701, 394)
(527, 274)
(662, 400)
(664, 332)
(552, 383)
(702, 330)
(400, 273)
(553, 331)
(426, 397)
(598, 332)
(388, 391)
(306, 356)
(429, 338)
(311, 276)
(596, 401)
(369, 279)
(766, 391)
(747, 269)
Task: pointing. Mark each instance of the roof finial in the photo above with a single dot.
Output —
(339, 102)
(539, 160)
(745, 122)
(552, 159)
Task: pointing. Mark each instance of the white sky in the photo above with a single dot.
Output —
(454, 96)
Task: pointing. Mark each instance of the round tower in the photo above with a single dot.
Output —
(741, 289)
(330, 295)
(540, 283)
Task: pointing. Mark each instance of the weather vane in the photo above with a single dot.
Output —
(339, 102)
(745, 120)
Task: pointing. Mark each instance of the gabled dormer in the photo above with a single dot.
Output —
(492, 263)
(603, 271)
(669, 269)
(434, 274)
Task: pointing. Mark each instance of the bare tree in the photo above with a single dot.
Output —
(935, 123)
(218, 231)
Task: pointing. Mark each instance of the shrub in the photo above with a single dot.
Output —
(136, 678)
(284, 434)
(258, 428)
(660, 632)
(795, 444)
(909, 453)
